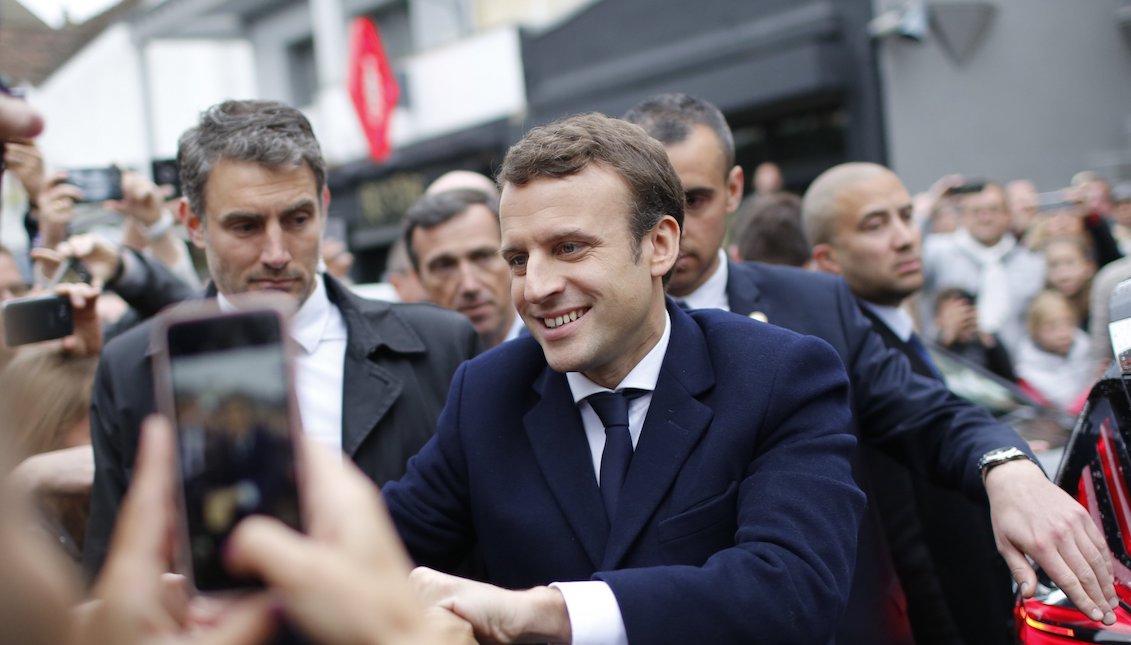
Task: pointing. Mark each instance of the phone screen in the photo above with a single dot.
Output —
(231, 398)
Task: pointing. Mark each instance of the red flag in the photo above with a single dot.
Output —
(373, 88)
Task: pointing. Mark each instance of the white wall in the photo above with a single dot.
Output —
(94, 104)
(452, 87)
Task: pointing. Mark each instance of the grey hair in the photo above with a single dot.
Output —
(265, 132)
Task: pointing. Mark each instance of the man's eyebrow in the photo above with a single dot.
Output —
(300, 205)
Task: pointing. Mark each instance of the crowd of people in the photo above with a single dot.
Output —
(574, 436)
(1005, 277)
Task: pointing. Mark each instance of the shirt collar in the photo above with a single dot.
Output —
(516, 328)
(897, 320)
(642, 377)
(311, 323)
(712, 294)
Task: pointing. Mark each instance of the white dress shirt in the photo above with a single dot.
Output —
(712, 294)
(594, 615)
(320, 332)
(897, 320)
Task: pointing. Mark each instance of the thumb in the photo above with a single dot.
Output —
(1020, 569)
(267, 548)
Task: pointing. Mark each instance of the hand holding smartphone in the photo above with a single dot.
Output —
(225, 380)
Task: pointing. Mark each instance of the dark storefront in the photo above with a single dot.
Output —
(796, 79)
(370, 199)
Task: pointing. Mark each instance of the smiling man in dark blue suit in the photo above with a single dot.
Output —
(737, 516)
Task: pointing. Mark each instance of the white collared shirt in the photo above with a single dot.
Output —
(516, 328)
(712, 294)
(897, 320)
(320, 333)
(594, 615)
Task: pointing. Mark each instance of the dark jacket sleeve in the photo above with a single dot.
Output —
(915, 418)
(113, 434)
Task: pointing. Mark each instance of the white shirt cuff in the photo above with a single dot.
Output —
(594, 615)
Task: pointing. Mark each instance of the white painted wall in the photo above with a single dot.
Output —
(94, 104)
(452, 87)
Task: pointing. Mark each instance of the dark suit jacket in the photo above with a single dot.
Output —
(912, 418)
(974, 579)
(737, 519)
(399, 362)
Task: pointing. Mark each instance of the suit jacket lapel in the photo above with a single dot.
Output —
(675, 423)
(743, 294)
(368, 390)
(556, 434)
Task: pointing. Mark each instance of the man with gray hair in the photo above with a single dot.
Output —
(255, 202)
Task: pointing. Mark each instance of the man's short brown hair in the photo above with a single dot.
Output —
(569, 146)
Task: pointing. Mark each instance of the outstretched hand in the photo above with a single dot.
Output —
(129, 593)
(1033, 517)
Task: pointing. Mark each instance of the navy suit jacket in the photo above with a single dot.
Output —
(738, 517)
(903, 419)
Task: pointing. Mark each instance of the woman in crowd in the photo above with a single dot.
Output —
(1070, 268)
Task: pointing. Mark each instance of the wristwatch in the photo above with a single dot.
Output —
(998, 457)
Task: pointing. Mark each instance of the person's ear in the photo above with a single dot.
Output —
(735, 180)
(665, 246)
(192, 222)
(824, 259)
(325, 200)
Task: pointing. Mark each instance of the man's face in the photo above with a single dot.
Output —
(587, 298)
(461, 269)
(262, 230)
(712, 192)
(1023, 205)
(984, 215)
(876, 245)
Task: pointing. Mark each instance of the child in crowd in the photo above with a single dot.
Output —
(1070, 268)
(1054, 360)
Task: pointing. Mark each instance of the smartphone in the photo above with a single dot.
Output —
(37, 318)
(225, 380)
(97, 184)
(71, 270)
(165, 173)
(967, 188)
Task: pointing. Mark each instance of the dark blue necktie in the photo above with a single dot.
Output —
(612, 408)
(921, 350)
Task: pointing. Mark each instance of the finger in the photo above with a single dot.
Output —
(1107, 578)
(18, 119)
(267, 548)
(247, 622)
(1071, 581)
(142, 526)
(1019, 567)
(174, 595)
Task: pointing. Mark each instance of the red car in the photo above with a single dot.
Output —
(1095, 470)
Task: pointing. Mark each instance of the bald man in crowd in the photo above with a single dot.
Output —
(858, 218)
(896, 411)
